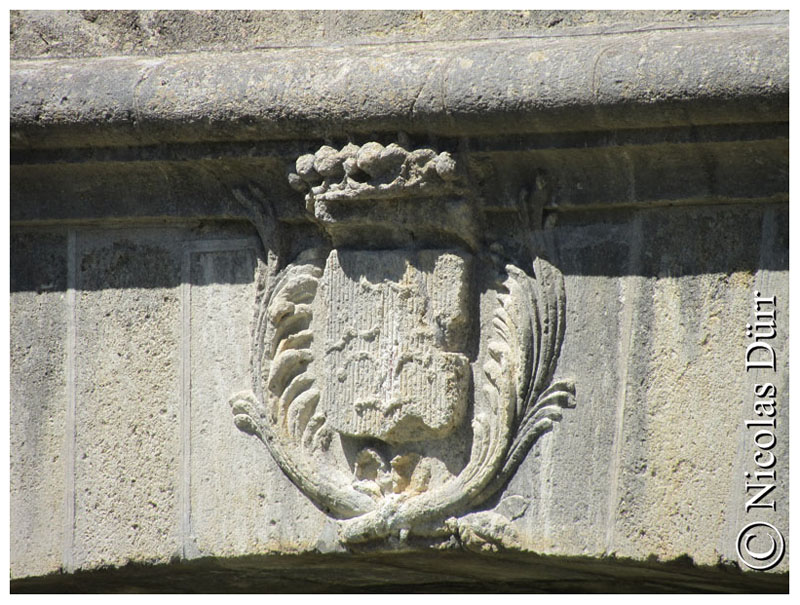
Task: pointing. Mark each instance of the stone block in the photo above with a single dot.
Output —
(127, 383)
(41, 389)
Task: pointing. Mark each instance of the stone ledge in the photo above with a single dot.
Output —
(560, 84)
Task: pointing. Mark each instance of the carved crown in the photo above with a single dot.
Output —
(372, 171)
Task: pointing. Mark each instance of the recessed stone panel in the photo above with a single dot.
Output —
(128, 388)
(39, 400)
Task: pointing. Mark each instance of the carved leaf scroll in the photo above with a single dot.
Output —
(532, 316)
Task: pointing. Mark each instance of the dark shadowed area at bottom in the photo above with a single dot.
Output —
(413, 572)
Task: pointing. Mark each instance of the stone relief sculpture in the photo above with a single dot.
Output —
(402, 372)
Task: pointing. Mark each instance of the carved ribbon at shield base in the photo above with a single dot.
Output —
(399, 383)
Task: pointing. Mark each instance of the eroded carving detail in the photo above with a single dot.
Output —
(400, 388)
(373, 171)
(391, 335)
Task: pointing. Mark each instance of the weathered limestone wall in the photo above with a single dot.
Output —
(93, 33)
(150, 199)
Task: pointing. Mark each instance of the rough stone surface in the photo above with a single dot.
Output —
(127, 385)
(40, 34)
(665, 382)
(39, 383)
(256, 312)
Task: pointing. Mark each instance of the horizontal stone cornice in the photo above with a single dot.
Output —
(737, 73)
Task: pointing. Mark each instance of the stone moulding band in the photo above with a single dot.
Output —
(683, 76)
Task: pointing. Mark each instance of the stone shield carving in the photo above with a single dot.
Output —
(399, 386)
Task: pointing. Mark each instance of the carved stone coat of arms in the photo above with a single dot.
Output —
(402, 371)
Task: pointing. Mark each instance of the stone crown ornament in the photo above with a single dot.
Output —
(400, 385)
(372, 171)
